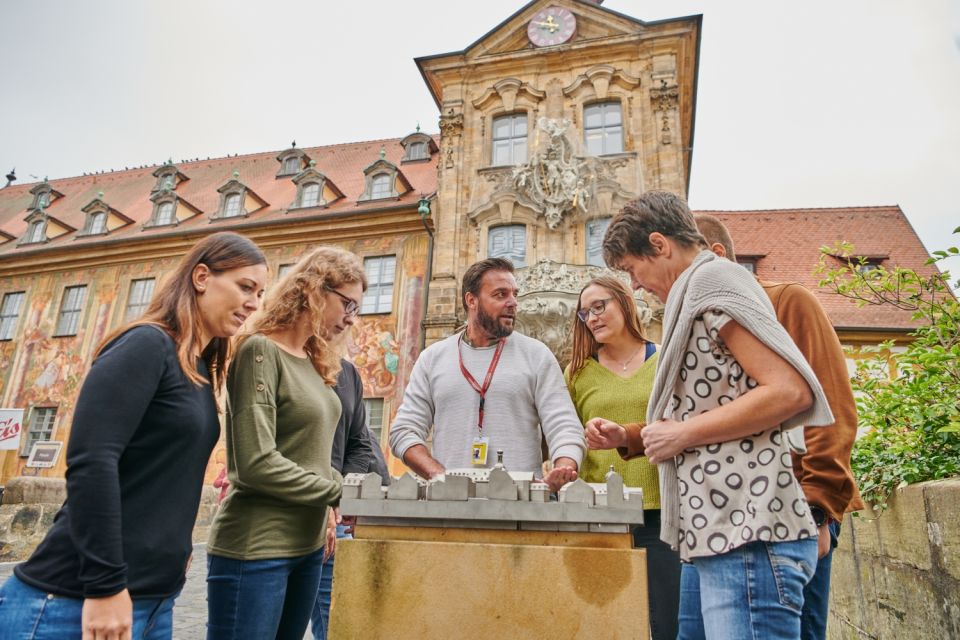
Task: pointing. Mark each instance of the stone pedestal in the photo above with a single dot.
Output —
(425, 582)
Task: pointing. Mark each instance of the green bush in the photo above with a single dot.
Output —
(908, 402)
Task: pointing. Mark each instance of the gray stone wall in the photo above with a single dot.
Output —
(30, 504)
(898, 575)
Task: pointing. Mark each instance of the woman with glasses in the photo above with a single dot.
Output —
(272, 532)
(610, 376)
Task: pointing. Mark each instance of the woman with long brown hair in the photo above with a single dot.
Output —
(143, 429)
(610, 376)
(270, 536)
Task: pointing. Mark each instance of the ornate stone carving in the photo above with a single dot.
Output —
(548, 300)
(665, 98)
(451, 127)
(555, 180)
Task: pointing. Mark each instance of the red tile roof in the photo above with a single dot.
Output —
(789, 242)
(129, 192)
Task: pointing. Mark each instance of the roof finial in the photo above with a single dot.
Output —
(418, 126)
(236, 174)
(383, 153)
(312, 162)
(11, 177)
(293, 145)
(100, 195)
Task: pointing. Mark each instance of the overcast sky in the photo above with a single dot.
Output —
(813, 104)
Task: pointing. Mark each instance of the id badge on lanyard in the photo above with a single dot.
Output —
(480, 449)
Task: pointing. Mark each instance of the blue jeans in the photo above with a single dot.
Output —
(754, 591)
(27, 613)
(816, 595)
(321, 610)
(261, 599)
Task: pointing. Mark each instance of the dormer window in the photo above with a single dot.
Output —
(383, 180)
(314, 189)
(168, 177)
(97, 223)
(380, 187)
(418, 147)
(311, 195)
(237, 200)
(165, 214)
(43, 196)
(101, 218)
(36, 232)
(292, 161)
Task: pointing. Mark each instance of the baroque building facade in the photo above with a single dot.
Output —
(548, 124)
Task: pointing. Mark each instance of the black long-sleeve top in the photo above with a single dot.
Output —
(141, 437)
(352, 445)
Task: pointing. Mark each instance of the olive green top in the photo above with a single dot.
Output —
(281, 418)
(598, 392)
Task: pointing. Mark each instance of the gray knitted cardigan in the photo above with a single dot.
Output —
(716, 283)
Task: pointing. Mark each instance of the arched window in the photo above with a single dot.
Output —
(508, 242)
(98, 223)
(311, 195)
(603, 128)
(510, 139)
(37, 231)
(165, 214)
(291, 165)
(380, 187)
(231, 205)
(596, 228)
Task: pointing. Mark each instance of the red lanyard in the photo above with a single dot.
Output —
(486, 381)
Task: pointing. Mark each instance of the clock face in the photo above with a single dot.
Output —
(551, 26)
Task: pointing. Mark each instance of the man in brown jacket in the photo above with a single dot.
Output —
(824, 470)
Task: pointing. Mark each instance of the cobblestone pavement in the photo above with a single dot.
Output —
(190, 612)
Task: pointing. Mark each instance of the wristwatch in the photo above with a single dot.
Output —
(819, 515)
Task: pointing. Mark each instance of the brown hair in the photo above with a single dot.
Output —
(303, 290)
(174, 307)
(715, 231)
(654, 211)
(585, 345)
(474, 275)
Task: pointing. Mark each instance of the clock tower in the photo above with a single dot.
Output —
(549, 123)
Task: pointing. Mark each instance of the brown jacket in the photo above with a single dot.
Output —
(824, 471)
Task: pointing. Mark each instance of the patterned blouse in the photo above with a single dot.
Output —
(738, 491)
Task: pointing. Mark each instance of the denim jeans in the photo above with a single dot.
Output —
(752, 592)
(321, 610)
(816, 595)
(27, 613)
(663, 577)
(261, 599)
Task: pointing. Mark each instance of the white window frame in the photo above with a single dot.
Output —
(10, 313)
(310, 194)
(40, 429)
(514, 249)
(68, 320)
(381, 274)
(381, 186)
(514, 143)
(98, 223)
(417, 151)
(37, 232)
(594, 232)
(166, 214)
(138, 298)
(233, 205)
(606, 130)
(374, 407)
(291, 165)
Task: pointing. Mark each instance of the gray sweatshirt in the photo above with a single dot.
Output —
(527, 395)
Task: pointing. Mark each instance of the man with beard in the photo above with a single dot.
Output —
(487, 388)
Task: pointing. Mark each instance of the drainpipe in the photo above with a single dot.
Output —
(424, 210)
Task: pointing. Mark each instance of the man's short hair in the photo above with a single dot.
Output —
(715, 231)
(654, 211)
(474, 275)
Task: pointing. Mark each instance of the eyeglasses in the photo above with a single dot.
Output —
(596, 309)
(350, 306)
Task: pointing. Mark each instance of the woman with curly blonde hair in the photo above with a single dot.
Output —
(270, 536)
